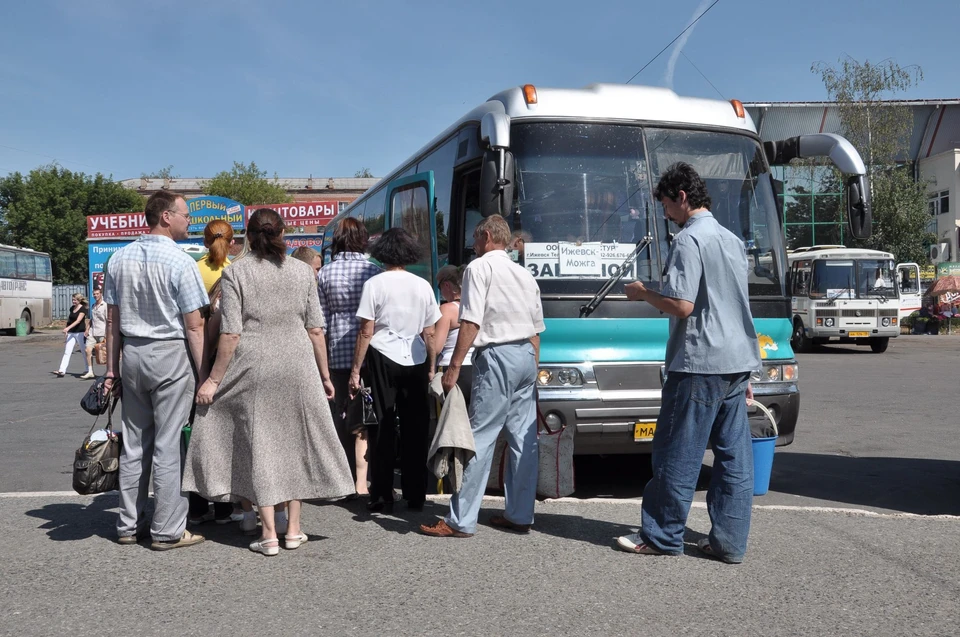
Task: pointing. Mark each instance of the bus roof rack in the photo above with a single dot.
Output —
(819, 247)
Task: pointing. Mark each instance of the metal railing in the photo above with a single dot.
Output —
(63, 299)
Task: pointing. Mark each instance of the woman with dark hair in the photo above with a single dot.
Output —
(341, 283)
(449, 280)
(263, 429)
(397, 315)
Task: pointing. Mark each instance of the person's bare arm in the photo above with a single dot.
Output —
(465, 338)
(193, 326)
(319, 342)
(636, 291)
(113, 346)
(535, 341)
(359, 354)
(225, 350)
(429, 339)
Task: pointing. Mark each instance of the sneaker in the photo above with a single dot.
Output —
(706, 549)
(280, 523)
(633, 543)
(249, 523)
(187, 539)
(88, 376)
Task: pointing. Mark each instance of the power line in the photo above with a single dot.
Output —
(702, 75)
(689, 26)
(67, 161)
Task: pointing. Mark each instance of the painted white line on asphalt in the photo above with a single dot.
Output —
(499, 499)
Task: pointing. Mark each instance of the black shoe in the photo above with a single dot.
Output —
(379, 504)
(415, 506)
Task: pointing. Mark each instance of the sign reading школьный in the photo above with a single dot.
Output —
(203, 210)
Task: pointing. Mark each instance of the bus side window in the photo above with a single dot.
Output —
(8, 264)
(440, 161)
(373, 215)
(467, 211)
(44, 273)
(26, 266)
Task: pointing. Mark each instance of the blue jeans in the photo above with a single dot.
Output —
(697, 408)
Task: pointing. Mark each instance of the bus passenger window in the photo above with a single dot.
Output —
(26, 266)
(8, 264)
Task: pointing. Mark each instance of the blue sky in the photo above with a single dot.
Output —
(325, 88)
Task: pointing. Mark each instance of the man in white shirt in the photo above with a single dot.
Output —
(501, 316)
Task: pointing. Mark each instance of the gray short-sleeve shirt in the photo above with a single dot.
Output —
(707, 266)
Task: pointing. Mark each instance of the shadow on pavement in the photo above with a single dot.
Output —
(70, 521)
(909, 485)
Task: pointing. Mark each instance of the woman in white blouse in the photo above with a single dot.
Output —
(398, 312)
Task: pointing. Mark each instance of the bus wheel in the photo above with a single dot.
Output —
(879, 345)
(26, 317)
(799, 341)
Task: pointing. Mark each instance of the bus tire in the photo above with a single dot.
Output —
(799, 340)
(25, 315)
(879, 345)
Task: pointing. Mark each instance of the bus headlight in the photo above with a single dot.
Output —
(562, 376)
(885, 321)
(544, 376)
(570, 376)
(775, 373)
(828, 322)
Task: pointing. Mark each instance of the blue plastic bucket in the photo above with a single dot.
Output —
(763, 449)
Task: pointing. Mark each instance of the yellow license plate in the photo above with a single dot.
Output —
(643, 431)
(856, 334)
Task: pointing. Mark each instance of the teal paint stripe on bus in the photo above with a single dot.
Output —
(570, 340)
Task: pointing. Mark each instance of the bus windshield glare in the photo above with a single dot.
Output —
(848, 279)
(584, 191)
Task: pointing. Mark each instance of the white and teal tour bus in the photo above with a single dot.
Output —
(26, 288)
(572, 172)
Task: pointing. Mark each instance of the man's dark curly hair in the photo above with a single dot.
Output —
(396, 247)
(682, 176)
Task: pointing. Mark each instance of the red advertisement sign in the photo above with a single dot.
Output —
(120, 224)
(293, 241)
(302, 213)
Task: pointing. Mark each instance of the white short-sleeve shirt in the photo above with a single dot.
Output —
(502, 298)
(400, 305)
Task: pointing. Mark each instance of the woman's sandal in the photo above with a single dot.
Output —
(261, 546)
(291, 542)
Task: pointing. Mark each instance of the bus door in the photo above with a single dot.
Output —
(908, 282)
(411, 206)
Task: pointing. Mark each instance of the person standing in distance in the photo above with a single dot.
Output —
(154, 294)
(711, 351)
(501, 315)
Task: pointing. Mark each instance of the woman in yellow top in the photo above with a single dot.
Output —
(218, 237)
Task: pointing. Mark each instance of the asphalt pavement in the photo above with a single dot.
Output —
(859, 534)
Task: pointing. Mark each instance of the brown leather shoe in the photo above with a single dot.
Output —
(503, 523)
(442, 529)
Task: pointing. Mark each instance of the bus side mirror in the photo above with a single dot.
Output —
(859, 213)
(496, 182)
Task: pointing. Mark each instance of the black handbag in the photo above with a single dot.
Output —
(96, 401)
(96, 464)
(369, 414)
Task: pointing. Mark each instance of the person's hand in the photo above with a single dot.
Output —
(450, 379)
(328, 388)
(65, 331)
(206, 392)
(110, 384)
(354, 385)
(636, 291)
(430, 376)
(749, 391)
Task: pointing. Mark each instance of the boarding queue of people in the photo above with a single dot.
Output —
(271, 358)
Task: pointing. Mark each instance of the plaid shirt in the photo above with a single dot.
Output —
(154, 283)
(341, 284)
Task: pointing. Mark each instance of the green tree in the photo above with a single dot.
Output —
(363, 173)
(881, 133)
(47, 210)
(164, 173)
(247, 184)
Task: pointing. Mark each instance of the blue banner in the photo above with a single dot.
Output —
(203, 210)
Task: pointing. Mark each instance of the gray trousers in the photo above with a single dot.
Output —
(158, 390)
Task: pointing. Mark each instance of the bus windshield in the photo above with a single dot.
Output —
(853, 278)
(584, 198)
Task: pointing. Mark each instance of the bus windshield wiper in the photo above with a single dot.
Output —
(838, 294)
(587, 310)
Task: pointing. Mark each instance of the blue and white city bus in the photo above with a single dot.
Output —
(572, 172)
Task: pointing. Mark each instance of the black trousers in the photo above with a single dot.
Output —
(347, 414)
(401, 402)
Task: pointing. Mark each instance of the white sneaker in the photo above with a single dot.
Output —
(88, 376)
(280, 522)
(633, 543)
(249, 523)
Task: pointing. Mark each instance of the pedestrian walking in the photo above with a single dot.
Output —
(263, 429)
(341, 285)
(397, 312)
(154, 296)
(711, 350)
(73, 334)
(96, 330)
(501, 316)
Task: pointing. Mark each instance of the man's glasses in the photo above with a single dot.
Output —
(185, 215)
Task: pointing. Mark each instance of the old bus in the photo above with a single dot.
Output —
(26, 287)
(577, 168)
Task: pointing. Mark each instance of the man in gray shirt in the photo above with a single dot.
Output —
(710, 353)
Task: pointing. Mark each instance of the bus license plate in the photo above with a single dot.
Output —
(643, 431)
(856, 334)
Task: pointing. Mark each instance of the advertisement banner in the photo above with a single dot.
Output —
(205, 209)
(584, 260)
(98, 252)
(309, 241)
(302, 213)
(118, 224)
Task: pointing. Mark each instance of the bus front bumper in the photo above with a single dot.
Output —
(616, 422)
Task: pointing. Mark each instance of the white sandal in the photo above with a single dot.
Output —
(291, 542)
(260, 546)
